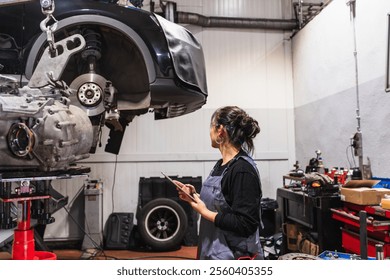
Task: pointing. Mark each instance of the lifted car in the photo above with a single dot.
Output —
(67, 68)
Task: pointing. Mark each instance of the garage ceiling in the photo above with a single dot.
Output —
(305, 10)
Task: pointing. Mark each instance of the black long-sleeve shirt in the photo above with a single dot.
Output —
(241, 188)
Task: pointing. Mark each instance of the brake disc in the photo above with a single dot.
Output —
(89, 95)
(297, 256)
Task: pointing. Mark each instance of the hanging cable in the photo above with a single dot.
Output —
(97, 246)
(358, 137)
(352, 5)
(113, 185)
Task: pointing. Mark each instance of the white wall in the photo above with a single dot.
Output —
(248, 68)
(324, 85)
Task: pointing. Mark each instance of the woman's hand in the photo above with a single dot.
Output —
(189, 189)
(198, 205)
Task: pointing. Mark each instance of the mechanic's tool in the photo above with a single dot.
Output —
(379, 251)
(297, 172)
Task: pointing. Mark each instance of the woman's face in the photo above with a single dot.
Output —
(213, 135)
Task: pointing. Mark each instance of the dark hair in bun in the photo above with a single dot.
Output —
(241, 127)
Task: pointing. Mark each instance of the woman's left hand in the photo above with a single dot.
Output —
(198, 205)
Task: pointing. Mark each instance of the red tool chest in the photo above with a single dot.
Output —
(378, 228)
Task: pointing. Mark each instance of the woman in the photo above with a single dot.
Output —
(229, 202)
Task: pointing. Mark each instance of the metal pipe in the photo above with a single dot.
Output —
(235, 22)
(363, 235)
(169, 11)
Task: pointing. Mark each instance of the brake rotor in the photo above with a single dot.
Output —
(89, 95)
(297, 256)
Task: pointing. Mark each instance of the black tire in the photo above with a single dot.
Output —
(162, 224)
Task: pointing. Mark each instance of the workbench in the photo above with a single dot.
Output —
(313, 215)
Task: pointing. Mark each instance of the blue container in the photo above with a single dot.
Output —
(384, 182)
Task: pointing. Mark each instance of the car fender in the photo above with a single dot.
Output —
(100, 20)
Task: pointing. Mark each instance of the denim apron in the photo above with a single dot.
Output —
(218, 244)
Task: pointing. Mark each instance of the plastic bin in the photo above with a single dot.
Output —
(268, 207)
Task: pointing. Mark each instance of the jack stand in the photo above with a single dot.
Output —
(25, 191)
(23, 247)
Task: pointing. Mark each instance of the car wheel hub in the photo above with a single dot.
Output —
(162, 225)
(89, 94)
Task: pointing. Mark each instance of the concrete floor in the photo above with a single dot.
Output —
(185, 252)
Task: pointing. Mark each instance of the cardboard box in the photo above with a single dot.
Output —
(292, 236)
(363, 196)
(306, 246)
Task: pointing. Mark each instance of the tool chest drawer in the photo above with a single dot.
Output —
(351, 244)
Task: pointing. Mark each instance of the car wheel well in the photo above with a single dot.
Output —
(126, 60)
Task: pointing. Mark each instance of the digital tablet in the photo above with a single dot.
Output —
(179, 187)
